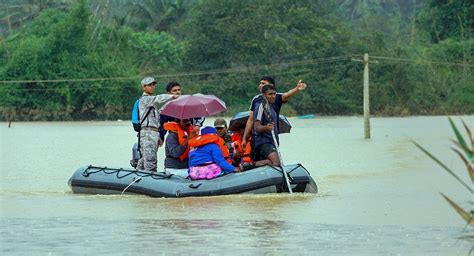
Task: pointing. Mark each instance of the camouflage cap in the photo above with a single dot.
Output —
(220, 123)
(148, 80)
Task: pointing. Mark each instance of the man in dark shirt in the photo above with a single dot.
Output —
(266, 119)
(280, 99)
(172, 88)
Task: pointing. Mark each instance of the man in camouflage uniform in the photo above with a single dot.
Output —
(150, 123)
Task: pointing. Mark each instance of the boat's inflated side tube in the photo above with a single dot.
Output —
(261, 180)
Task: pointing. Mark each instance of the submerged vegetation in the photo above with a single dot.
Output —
(83, 60)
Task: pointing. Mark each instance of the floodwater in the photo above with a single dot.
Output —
(377, 197)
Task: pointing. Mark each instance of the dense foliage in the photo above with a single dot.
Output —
(81, 61)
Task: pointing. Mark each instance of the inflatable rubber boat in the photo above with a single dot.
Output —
(262, 180)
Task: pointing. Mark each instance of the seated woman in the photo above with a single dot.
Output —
(206, 156)
(177, 148)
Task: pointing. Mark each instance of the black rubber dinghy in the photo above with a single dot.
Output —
(262, 180)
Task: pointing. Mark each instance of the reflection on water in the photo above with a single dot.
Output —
(88, 235)
(376, 197)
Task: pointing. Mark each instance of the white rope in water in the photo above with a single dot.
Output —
(135, 180)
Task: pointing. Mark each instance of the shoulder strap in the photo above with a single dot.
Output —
(266, 109)
(146, 115)
(136, 112)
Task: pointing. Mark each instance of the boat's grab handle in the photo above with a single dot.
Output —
(195, 185)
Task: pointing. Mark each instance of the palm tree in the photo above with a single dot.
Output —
(15, 13)
(144, 15)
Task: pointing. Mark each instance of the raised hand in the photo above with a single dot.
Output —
(300, 86)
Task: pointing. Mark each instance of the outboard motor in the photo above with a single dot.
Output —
(135, 155)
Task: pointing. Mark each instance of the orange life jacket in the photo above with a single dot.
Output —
(182, 136)
(202, 140)
(237, 144)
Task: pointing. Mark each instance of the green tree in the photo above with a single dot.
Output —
(60, 45)
(222, 34)
(448, 19)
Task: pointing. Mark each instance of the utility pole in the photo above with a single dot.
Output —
(366, 94)
(366, 98)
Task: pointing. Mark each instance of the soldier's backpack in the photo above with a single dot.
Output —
(137, 124)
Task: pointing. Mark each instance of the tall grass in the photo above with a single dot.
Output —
(464, 148)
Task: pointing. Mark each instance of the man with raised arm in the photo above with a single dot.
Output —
(266, 120)
(280, 99)
(149, 120)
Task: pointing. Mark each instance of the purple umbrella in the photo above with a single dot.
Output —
(196, 105)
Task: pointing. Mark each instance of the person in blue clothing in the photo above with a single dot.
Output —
(207, 156)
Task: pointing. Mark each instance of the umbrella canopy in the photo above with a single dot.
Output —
(240, 120)
(196, 105)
